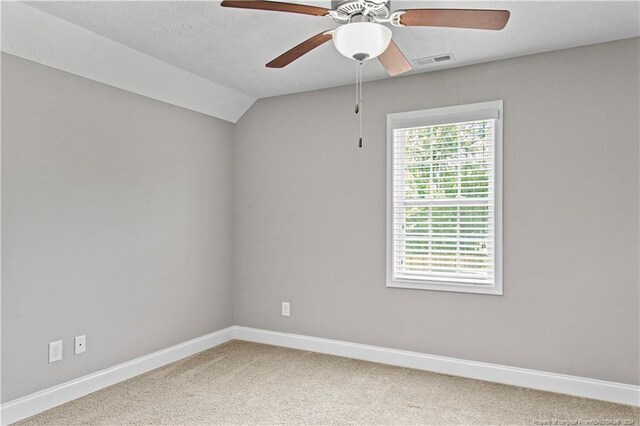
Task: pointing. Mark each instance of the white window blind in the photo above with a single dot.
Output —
(443, 200)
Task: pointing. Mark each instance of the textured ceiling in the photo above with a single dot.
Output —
(231, 46)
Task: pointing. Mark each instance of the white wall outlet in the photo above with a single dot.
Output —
(81, 344)
(55, 351)
(286, 309)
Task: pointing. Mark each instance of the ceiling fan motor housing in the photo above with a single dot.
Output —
(345, 10)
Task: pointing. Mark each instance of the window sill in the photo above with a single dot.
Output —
(495, 290)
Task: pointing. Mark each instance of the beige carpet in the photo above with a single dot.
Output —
(249, 383)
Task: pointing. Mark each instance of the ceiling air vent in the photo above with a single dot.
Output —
(445, 57)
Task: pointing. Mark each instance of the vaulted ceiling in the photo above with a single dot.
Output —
(231, 46)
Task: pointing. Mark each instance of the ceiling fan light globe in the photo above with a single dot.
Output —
(358, 40)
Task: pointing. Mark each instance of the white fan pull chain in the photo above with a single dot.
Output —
(357, 89)
(359, 98)
(361, 110)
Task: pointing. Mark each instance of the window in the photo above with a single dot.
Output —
(444, 205)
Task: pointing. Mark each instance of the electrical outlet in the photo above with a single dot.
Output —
(81, 344)
(286, 309)
(55, 351)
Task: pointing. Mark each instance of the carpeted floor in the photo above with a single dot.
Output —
(249, 383)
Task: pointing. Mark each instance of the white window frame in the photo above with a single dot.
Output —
(433, 116)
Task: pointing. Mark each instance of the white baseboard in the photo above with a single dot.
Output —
(35, 403)
(541, 380)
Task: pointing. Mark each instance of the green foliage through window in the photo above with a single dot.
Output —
(443, 201)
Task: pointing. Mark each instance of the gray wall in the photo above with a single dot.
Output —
(116, 223)
(310, 217)
(117, 220)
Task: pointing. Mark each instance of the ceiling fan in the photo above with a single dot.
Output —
(362, 35)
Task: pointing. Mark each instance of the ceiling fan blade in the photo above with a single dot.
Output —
(394, 61)
(276, 6)
(457, 18)
(301, 49)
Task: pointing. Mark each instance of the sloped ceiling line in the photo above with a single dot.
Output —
(43, 38)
